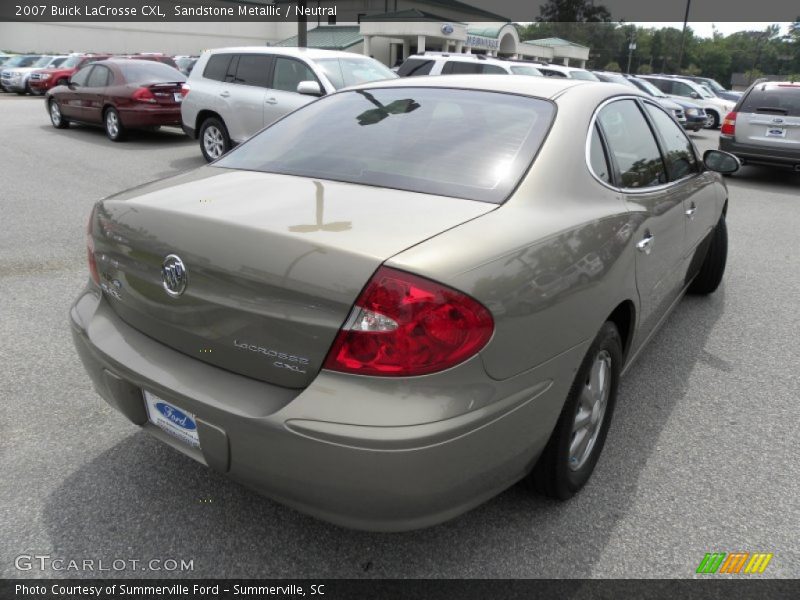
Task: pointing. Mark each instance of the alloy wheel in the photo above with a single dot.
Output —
(55, 113)
(591, 410)
(213, 142)
(112, 124)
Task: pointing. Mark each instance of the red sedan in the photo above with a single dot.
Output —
(119, 94)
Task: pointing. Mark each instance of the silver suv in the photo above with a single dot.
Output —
(234, 92)
(447, 63)
(764, 127)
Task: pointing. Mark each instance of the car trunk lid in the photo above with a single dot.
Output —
(273, 263)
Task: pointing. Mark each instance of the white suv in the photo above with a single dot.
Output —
(446, 63)
(233, 93)
(551, 70)
(716, 108)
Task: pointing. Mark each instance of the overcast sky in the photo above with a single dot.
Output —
(704, 29)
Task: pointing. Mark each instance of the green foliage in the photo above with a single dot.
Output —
(644, 69)
(692, 69)
(613, 66)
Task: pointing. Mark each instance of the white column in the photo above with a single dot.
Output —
(367, 45)
(459, 47)
(566, 61)
(392, 54)
(583, 64)
(420, 44)
(406, 48)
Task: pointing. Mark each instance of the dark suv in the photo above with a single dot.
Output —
(764, 127)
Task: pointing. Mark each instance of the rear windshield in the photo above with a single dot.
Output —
(525, 70)
(138, 71)
(414, 67)
(449, 142)
(773, 101)
(583, 75)
(343, 72)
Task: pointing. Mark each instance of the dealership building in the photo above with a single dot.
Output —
(388, 30)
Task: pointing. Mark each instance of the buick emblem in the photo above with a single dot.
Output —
(173, 275)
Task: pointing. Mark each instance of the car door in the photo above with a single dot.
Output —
(282, 98)
(70, 99)
(697, 186)
(657, 207)
(248, 94)
(94, 92)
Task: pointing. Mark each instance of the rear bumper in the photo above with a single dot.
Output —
(297, 447)
(694, 123)
(150, 116)
(760, 154)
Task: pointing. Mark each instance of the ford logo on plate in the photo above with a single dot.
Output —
(176, 417)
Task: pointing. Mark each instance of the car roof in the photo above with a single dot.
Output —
(459, 56)
(310, 53)
(537, 87)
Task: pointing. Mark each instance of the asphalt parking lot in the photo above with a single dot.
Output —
(701, 456)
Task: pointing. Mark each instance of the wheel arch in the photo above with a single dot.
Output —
(624, 318)
(202, 116)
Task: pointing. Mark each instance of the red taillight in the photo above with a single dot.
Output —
(404, 325)
(729, 124)
(185, 90)
(144, 94)
(90, 249)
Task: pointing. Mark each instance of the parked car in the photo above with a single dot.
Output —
(234, 92)
(713, 86)
(448, 63)
(551, 70)
(152, 56)
(186, 63)
(310, 313)
(118, 94)
(14, 77)
(715, 108)
(4, 58)
(671, 106)
(696, 117)
(42, 80)
(764, 127)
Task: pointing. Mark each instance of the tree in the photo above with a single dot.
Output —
(573, 11)
(644, 69)
(613, 66)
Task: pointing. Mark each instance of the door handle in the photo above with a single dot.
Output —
(271, 100)
(225, 94)
(689, 212)
(646, 243)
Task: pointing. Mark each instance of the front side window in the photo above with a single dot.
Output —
(344, 72)
(678, 151)
(632, 145)
(415, 67)
(289, 73)
(81, 76)
(253, 69)
(460, 143)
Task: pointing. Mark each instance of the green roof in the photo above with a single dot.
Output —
(329, 37)
(489, 32)
(447, 4)
(554, 41)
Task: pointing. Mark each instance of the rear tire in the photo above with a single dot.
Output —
(574, 446)
(56, 118)
(214, 139)
(713, 268)
(113, 125)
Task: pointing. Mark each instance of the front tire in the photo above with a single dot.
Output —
(571, 453)
(113, 125)
(713, 268)
(56, 118)
(214, 139)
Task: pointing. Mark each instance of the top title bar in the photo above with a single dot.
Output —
(344, 11)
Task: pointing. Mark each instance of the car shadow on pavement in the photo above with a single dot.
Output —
(141, 500)
(762, 179)
(135, 139)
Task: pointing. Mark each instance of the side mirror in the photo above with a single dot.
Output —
(72, 85)
(694, 95)
(721, 162)
(309, 88)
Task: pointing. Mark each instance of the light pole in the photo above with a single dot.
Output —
(683, 34)
(631, 48)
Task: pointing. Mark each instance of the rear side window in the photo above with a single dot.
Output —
(253, 69)
(663, 85)
(632, 145)
(678, 151)
(217, 67)
(290, 72)
(457, 67)
(773, 100)
(493, 70)
(477, 145)
(597, 157)
(100, 77)
(551, 73)
(414, 67)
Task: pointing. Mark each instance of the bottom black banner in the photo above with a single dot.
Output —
(400, 589)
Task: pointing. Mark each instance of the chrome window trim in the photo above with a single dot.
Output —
(588, 146)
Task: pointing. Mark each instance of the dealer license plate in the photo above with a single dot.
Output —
(776, 132)
(175, 421)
